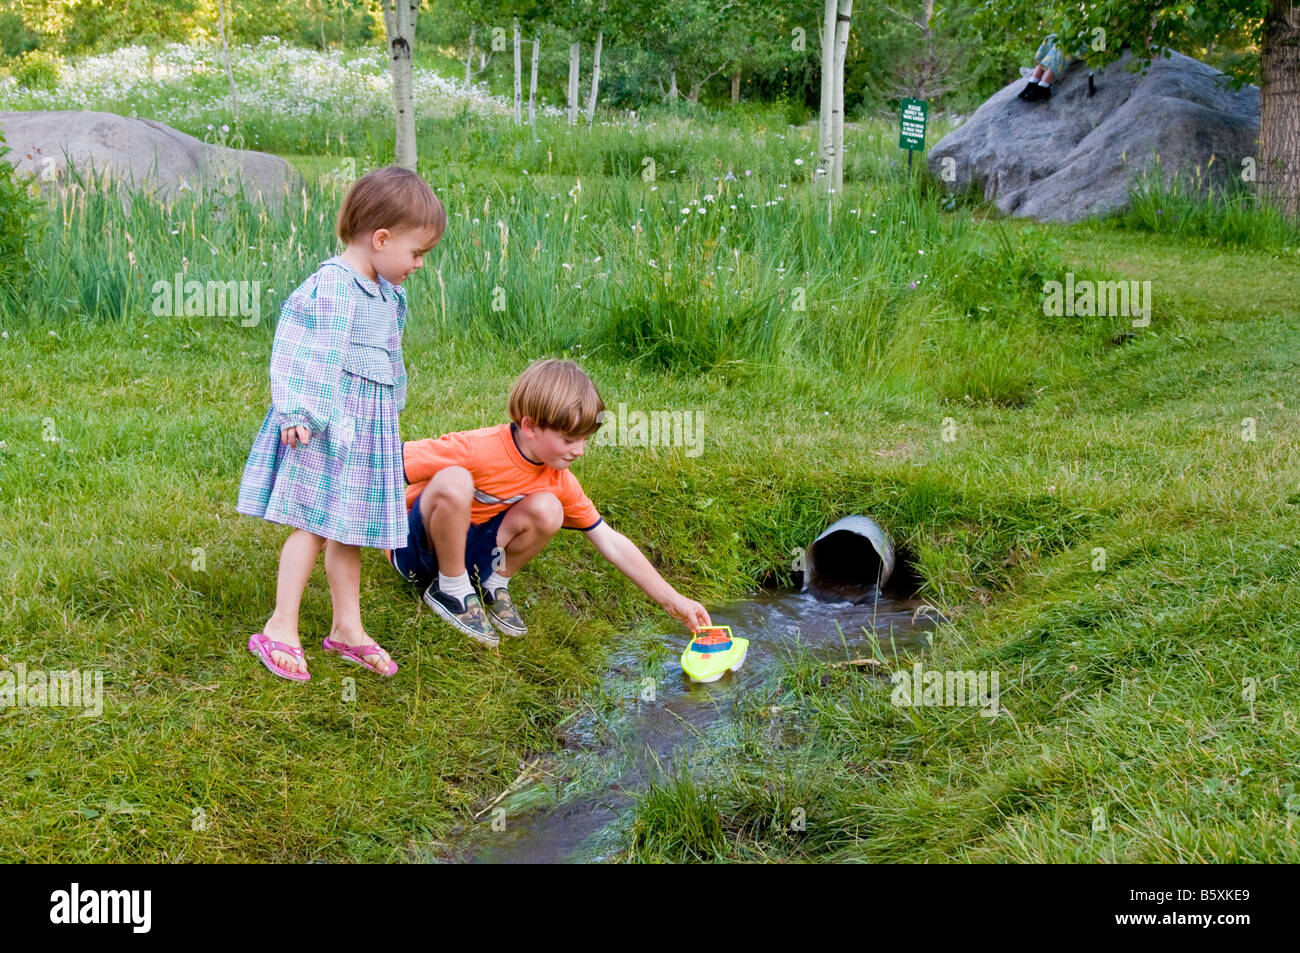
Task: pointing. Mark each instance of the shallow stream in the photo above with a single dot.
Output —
(574, 806)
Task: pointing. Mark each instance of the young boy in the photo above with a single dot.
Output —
(491, 499)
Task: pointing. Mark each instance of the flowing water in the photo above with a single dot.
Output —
(573, 806)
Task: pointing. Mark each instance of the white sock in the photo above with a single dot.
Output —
(1043, 83)
(458, 586)
(494, 582)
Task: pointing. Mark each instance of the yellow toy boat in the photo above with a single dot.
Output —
(713, 653)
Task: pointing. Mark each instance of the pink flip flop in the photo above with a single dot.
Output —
(262, 647)
(355, 653)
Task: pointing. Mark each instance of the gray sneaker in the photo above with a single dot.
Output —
(467, 616)
(501, 610)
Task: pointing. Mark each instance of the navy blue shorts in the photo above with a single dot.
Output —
(418, 562)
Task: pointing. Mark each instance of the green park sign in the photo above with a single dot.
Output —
(911, 125)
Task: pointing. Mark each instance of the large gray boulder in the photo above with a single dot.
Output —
(1076, 156)
(148, 154)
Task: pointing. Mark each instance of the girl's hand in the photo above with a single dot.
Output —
(295, 435)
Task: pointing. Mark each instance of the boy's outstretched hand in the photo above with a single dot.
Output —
(630, 561)
(689, 612)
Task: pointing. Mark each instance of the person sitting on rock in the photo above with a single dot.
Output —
(1049, 63)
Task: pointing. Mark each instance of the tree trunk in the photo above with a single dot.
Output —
(693, 97)
(532, 86)
(230, 75)
(1279, 107)
(735, 87)
(672, 85)
(837, 108)
(519, 83)
(824, 157)
(399, 24)
(595, 78)
(574, 49)
(927, 65)
(469, 58)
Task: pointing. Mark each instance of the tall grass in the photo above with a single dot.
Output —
(1230, 212)
(736, 272)
(18, 220)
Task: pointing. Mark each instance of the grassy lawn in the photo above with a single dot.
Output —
(1150, 699)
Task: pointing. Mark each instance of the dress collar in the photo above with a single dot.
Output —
(382, 288)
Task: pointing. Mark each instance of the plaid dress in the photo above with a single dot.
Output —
(336, 368)
(1051, 57)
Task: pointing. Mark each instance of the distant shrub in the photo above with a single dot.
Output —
(795, 112)
(15, 38)
(36, 69)
(17, 221)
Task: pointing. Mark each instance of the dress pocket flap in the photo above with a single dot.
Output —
(372, 363)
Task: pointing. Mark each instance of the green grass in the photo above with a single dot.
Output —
(1188, 206)
(909, 373)
(1128, 689)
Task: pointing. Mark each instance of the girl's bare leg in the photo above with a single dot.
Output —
(1038, 73)
(297, 559)
(343, 569)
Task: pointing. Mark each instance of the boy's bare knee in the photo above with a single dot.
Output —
(548, 511)
(454, 485)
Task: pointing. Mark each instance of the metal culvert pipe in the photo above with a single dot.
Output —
(851, 555)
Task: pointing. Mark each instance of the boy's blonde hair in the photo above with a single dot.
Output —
(393, 198)
(559, 396)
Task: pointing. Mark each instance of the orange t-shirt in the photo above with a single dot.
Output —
(502, 476)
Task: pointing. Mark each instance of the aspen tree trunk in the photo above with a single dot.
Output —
(532, 86)
(225, 50)
(672, 84)
(1279, 107)
(399, 24)
(519, 85)
(574, 49)
(837, 109)
(927, 14)
(595, 78)
(735, 87)
(824, 157)
(469, 57)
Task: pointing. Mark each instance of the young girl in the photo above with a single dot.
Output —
(328, 459)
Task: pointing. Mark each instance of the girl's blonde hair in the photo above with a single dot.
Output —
(559, 396)
(392, 198)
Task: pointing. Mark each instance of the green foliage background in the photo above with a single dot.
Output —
(990, 40)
